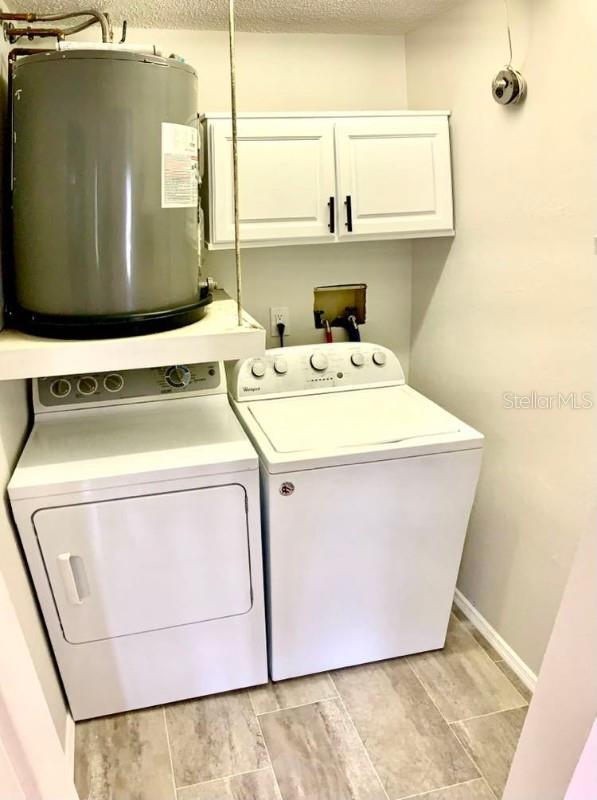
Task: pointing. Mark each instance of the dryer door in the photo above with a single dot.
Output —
(137, 564)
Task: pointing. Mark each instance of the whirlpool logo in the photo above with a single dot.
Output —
(251, 389)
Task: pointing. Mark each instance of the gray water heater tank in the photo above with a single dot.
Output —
(104, 194)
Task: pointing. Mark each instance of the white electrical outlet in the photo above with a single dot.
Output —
(278, 314)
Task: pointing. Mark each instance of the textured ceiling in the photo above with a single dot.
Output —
(309, 16)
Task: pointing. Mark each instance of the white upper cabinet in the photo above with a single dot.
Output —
(286, 179)
(394, 177)
(326, 178)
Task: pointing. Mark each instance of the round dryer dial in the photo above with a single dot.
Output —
(379, 358)
(60, 388)
(358, 359)
(178, 377)
(319, 362)
(258, 369)
(87, 385)
(113, 382)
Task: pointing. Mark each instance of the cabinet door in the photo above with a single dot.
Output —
(394, 176)
(286, 179)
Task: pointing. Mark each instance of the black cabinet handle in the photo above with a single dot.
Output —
(332, 222)
(348, 204)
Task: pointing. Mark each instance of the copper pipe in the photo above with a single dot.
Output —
(21, 51)
(16, 33)
(97, 16)
(17, 17)
(31, 33)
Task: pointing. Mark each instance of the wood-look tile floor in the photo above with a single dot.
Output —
(435, 726)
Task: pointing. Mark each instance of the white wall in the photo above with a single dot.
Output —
(306, 72)
(564, 706)
(510, 304)
(290, 71)
(33, 764)
(13, 427)
(278, 276)
(14, 419)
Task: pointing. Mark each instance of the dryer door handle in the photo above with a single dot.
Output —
(65, 566)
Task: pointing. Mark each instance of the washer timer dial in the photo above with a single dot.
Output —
(178, 376)
(319, 361)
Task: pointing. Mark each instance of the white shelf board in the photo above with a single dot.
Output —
(216, 337)
(402, 112)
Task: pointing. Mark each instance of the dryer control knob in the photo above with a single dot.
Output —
(258, 369)
(281, 366)
(113, 382)
(358, 359)
(379, 358)
(87, 385)
(319, 361)
(60, 388)
(178, 376)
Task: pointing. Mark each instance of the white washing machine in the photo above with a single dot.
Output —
(367, 488)
(137, 502)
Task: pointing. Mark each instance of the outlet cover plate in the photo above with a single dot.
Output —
(279, 314)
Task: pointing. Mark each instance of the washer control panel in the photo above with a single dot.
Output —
(133, 385)
(309, 368)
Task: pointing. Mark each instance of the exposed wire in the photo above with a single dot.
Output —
(235, 163)
(509, 33)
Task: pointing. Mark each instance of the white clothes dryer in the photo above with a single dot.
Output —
(367, 488)
(137, 502)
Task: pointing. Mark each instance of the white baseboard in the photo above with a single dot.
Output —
(69, 742)
(525, 673)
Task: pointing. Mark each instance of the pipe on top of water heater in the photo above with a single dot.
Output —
(12, 33)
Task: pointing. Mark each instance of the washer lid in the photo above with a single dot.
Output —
(350, 419)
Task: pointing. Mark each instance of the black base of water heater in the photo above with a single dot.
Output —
(58, 326)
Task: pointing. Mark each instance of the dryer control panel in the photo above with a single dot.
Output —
(95, 389)
(314, 368)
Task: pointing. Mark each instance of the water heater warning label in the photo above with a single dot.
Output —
(180, 166)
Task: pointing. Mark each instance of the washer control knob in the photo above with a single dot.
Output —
(60, 388)
(319, 361)
(113, 382)
(87, 385)
(258, 369)
(379, 358)
(281, 366)
(178, 376)
(358, 359)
